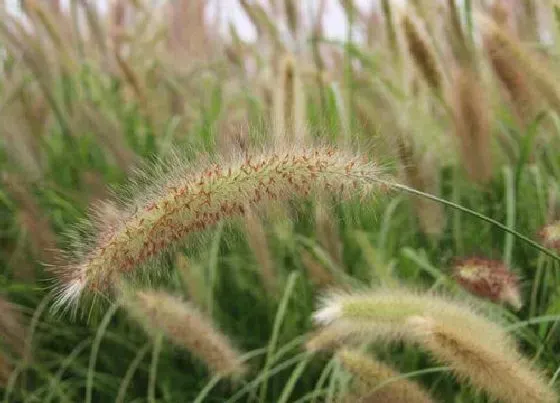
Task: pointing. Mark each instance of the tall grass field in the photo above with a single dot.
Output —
(189, 214)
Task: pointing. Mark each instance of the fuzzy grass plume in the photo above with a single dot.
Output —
(523, 73)
(186, 327)
(472, 125)
(378, 382)
(191, 202)
(383, 315)
(550, 235)
(495, 368)
(422, 54)
(478, 350)
(289, 102)
(489, 279)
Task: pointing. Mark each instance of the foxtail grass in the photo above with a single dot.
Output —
(189, 202)
(256, 236)
(379, 382)
(292, 16)
(383, 315)
(514, 80)
(550, 235)
(326, 228)
(289, 102)
(477, 349)
(319, 275)
(489, 279)
(520, 69)
(420, 173)
(459, 41)
(495, 368)
(390, 30)
(185, 326)
(472, 125)
(422, 53)
(193, 281)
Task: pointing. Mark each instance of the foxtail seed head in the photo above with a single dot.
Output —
(190, 203)
(496, 368)
(472, 125)
(186, 327)
(503, 58)
(550, 235)
(489, 279)
(378, 382)
(383, 315)
(422, 53)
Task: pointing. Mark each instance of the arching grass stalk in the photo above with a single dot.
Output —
(467, 210)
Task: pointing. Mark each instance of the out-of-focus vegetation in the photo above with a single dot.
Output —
(457, 99)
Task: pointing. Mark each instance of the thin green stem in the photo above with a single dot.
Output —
(481, 216)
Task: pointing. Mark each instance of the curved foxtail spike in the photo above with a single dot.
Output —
(472, 124)
(523, 65)
(477, 349)
(382, 315)
(184, 325)
(502, 51)
(378, 382)
(495, 368)
(191, 202)
(422, 54)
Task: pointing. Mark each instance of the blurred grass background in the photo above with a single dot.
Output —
(457, 99)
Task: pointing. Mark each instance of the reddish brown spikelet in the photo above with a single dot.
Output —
(489, 279)
(472, 125)
(186, 327)
(550, 235)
